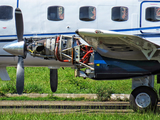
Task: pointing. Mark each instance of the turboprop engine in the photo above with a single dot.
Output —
(62, 48)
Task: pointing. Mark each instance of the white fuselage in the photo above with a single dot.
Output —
(36, 23)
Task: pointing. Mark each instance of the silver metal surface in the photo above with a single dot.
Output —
(4, 74)
(143, 100)
(50, 46)
(143, 81)
(86, 65)
(31, 61)
(77, 53)
(15, 48)
(82, 74)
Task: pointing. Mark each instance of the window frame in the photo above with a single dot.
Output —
(150, 14)
(118, 16)
(57, 15)
(88, 16)
(10, 15)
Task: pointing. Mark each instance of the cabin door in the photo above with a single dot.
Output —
(7, 21)
(150, 17)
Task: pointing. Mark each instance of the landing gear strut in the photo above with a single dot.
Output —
(143, 99)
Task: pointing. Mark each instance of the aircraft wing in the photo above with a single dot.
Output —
(120, 46)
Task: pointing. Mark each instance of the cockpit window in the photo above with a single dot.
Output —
(87, 13)
(55, 13)
(153, 14)
(6, 13)
(120, 13)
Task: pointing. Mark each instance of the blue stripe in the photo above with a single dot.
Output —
(41, 34)
(17, 3)
(140, 29)
(99, 62)
(134, 29)
(148, 35)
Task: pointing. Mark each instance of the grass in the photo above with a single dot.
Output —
(37, 81)
(78, 116)
(48, 98)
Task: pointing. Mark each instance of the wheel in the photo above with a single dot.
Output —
(143, 99)
(53, 79)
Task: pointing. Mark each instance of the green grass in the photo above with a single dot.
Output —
(48, 98)
(37, 81)
(78, 116)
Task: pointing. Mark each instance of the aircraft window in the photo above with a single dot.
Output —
(153, 14)
(87, 13)
(6, 12)
(120, 13)
(55, 13)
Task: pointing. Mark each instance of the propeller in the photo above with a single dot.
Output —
(19, 24)
(53, 79)
(20, 76)
(20, 64)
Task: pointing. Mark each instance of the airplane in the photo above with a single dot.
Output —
(101, 40)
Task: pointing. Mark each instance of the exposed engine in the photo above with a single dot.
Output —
(65, 49)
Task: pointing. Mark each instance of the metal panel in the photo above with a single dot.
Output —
(4, 74)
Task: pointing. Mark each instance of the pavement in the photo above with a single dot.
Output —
(113, 97)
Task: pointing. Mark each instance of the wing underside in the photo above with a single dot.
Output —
(120, 46)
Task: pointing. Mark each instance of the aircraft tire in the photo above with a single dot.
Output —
(143, 99)
(53, 79)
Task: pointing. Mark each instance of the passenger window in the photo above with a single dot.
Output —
(87, 13)
(56, 13)
(120, 13)
(6, 13)
(153, 14)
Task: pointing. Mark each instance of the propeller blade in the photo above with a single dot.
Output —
(19, 24)
(53, 79)
(20, 76)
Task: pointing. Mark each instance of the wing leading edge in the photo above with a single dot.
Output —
(120, 46)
